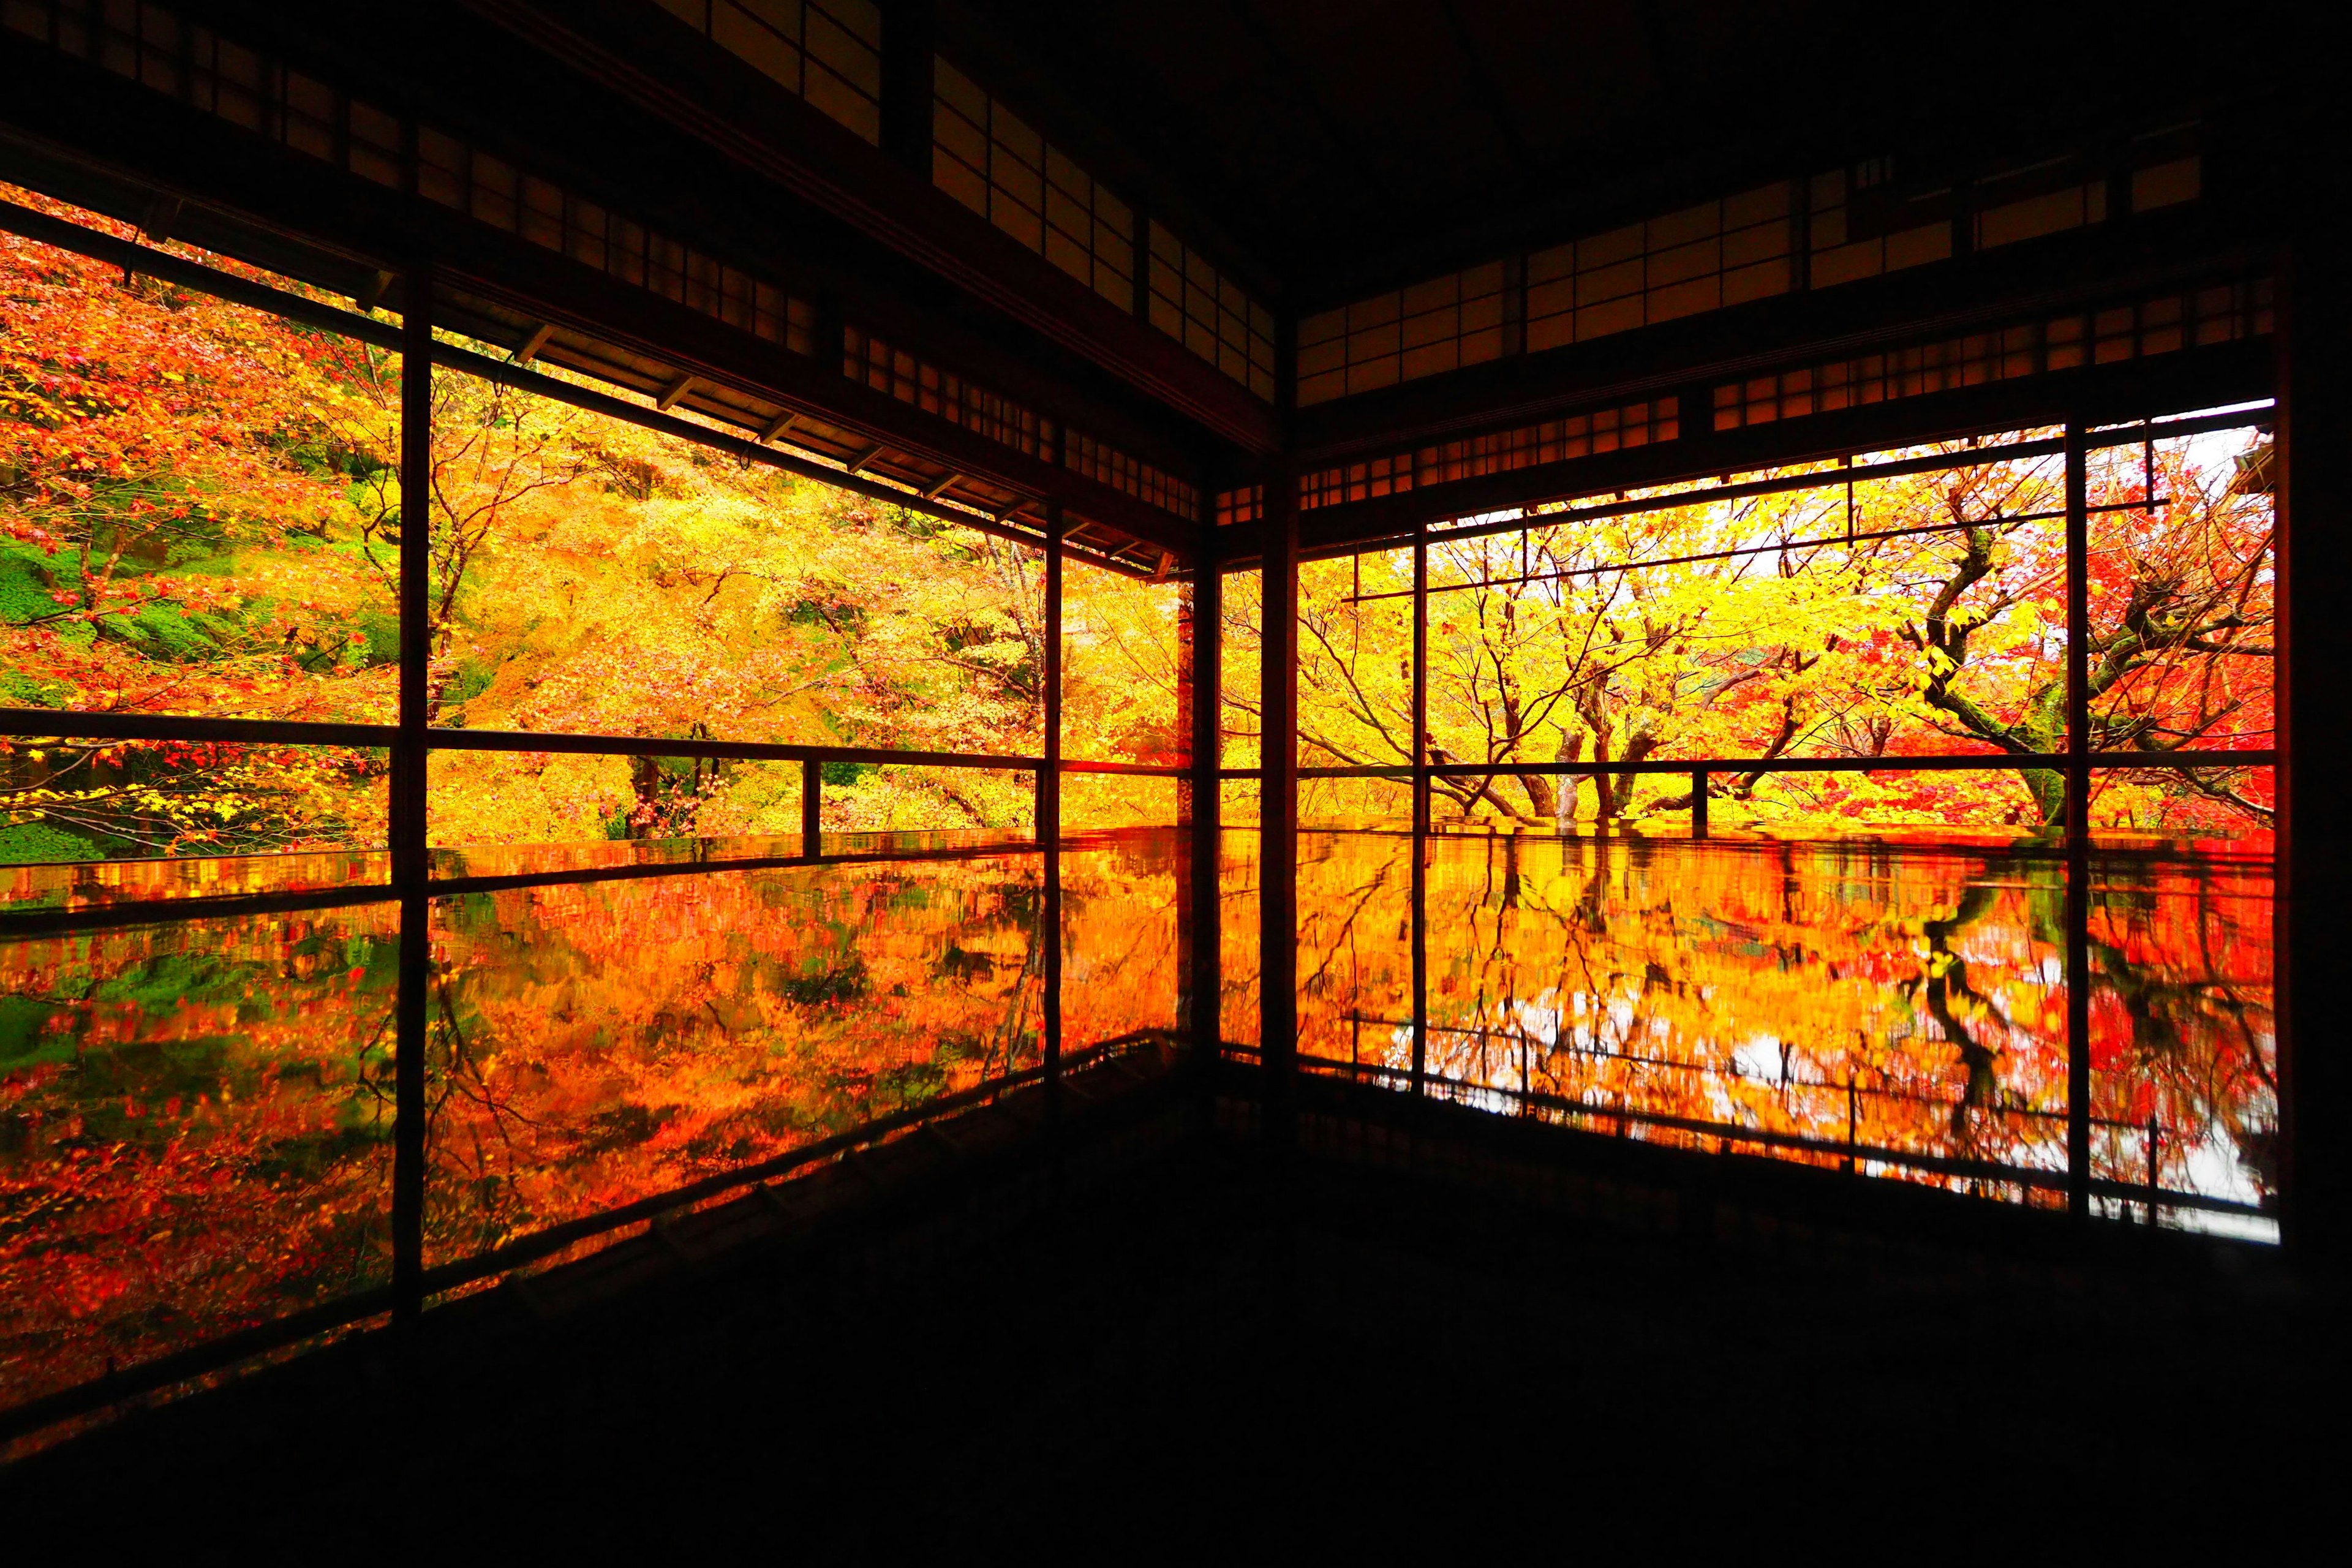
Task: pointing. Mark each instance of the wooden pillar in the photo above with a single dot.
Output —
(812, 807)
(2313, 473)
(1278, 807)
(1420, 806)
(2078, 825)
(1203, 807)
(1049, 809)
(407, 825)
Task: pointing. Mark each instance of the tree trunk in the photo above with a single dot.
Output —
(1541, 805)
(1571, 748)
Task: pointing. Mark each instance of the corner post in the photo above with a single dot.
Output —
(1421, 788)
(2078, 825)
(409, 869)
(1049, 813)
(2314, 492)
(1278, 809)
(1202, 806)
(812, 807)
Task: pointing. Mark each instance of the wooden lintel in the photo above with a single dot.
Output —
(530, 348)
(672, 393)
(779, 425)
(865, 457)
(937, 490)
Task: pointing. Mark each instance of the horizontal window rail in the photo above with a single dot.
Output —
(723, 751)
(1776, 547)
(1989, 761)
(59, 723)
(48, 920)
(82, 724)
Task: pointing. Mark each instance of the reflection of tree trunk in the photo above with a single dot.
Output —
(1032, 967)
(1947, 980)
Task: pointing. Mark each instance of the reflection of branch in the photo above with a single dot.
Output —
(1348, 926)
(462, 1064)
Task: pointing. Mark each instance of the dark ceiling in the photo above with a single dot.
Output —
(1356, 142)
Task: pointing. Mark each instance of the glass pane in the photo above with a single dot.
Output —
(595, 577)
(1093, 801)
(595, 1044)
(1355, 947)
(1121, 960)
(199, 502)
(2184, 1036)
(2181, 573)
(1124, 662)
(1340, 804)
(2208, 809)
(1237, 874)
(199, 1136)
(1910, 616)
(151, 805)
(1355, 660)
(1846, 1000)
(68, 885)
(1990, 805)
(1240, 652)
(558, 809)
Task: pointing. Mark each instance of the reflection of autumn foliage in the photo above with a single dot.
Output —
(1749, 986)
(86, 883)
(2182, 1031)
(196, 1128)
(595, 1045)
